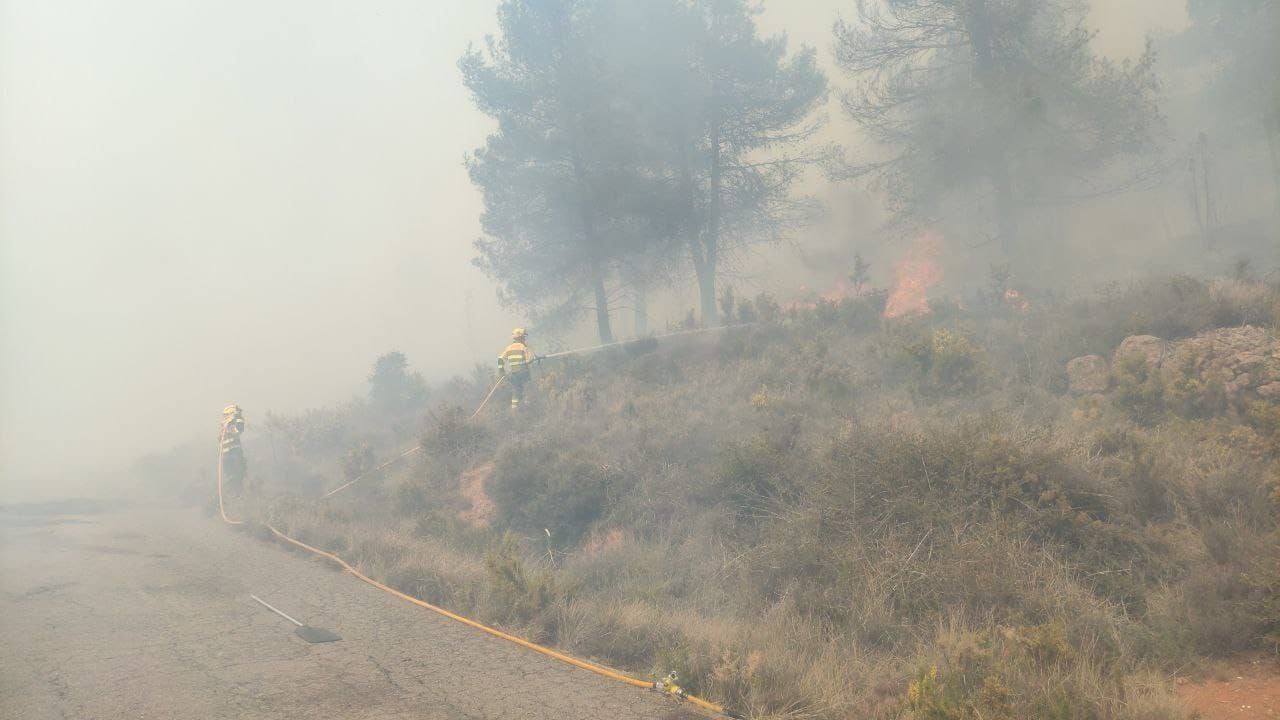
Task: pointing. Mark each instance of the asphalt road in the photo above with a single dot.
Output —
(145, 613)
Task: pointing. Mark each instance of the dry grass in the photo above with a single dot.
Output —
(809, 521)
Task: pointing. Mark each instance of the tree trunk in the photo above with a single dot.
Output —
(704, 267)
(707, 295)
(711, 240)
(1271, 127)
(640, 313)
(1006, 207)
(979, 28)
(602, 305)
(1210, 207)
(593, 247)
(1195, 195)
(602, 313)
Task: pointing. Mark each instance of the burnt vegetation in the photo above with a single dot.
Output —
(822, 516)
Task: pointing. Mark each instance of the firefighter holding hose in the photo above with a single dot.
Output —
(513, 364)
(234, 465)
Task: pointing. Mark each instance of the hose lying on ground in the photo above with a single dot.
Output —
(667, 686)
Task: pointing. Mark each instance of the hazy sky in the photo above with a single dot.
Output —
(205, 202)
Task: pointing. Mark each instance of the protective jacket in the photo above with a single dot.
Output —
(515, 359)
(232, 427)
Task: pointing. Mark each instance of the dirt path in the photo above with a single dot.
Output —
(146, 614)
(1249, 689)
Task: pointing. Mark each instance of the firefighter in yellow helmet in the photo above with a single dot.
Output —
(514, 364)
(234, 465)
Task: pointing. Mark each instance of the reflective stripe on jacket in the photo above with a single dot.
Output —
(515, 357)
(231, 430)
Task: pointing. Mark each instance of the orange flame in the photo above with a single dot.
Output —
(1016, 301)
(914, 275)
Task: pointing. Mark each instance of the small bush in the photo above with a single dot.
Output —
(453, 436)
(358, 461)
(728, 303)
(767, 309)
(1193, 391)
(862, 314)
(1139, 389)
(537, 487)
(937, 362)
(749, 475)
(520, 595)
(410, 498)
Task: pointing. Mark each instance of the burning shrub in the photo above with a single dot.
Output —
(914, 275)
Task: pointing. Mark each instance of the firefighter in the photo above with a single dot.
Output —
(514, 364)
(234, 465)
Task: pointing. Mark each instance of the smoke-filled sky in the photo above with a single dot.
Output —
(208, 202)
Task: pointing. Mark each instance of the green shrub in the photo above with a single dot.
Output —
(727, 304)
(1191, 391)
(410, 498)
(862, 314)
(455, 437)
(1172, 308)
(748, 475)
(943, 362)
(520, 595)
(358, 461)
(545, 486)
(443, 523)
(1139, 389)
(767, 309)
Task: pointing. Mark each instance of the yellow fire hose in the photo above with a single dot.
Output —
(492, 390)
(222, 510)
(411, 450)
(349, 483)
(667, 685)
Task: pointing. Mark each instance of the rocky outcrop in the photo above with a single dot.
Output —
(1087, 375)
(1243, 361)
(1149, 347)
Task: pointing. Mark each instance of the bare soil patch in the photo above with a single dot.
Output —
(1245, 689)
(481, 511)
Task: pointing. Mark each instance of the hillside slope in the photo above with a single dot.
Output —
(827, 514)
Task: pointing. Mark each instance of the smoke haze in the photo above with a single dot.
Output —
(203, 203)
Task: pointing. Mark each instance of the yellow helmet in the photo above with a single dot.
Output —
(518, 334)
(231, 409)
